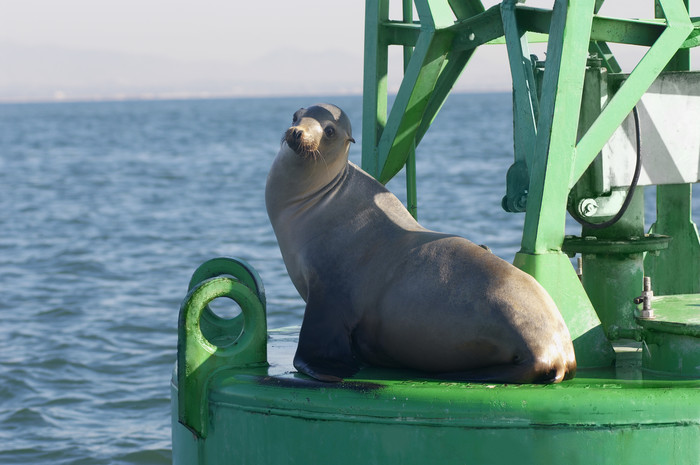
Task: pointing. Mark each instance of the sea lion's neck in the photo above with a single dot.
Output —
(318, 192)
(332, 184)
(323, 177)
(300, 184)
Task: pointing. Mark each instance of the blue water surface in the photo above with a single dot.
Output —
(106, 210)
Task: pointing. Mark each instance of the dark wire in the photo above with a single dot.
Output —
(633, 185)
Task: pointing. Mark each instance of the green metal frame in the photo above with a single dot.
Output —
(443, 45)
(548, 146)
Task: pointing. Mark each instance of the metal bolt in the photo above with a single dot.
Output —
(579, 267)
(468, 35)
(587, 207)
(645, 300)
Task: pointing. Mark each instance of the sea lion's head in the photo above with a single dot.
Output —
(313, 153)
(320, 131)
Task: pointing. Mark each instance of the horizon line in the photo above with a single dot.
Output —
(177, 96)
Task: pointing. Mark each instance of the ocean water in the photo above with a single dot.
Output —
(107, 209)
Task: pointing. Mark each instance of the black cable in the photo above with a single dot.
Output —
(633, 185)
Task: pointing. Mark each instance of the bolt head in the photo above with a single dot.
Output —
(587, 207)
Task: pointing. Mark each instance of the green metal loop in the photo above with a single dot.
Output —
(199, 358)
(213, 326)
(236, 267)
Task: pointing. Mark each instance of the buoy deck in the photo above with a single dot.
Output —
(610, 415)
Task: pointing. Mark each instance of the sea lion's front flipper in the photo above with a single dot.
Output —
(324, 351)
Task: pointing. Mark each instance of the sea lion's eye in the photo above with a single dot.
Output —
(295, 118)
(330, 131)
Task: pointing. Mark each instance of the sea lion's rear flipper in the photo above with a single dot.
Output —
(519, 373)
(324, 350)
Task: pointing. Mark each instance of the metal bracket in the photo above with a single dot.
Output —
(239, 343)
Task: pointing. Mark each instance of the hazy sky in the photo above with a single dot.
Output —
(91, 48)
(184, 29)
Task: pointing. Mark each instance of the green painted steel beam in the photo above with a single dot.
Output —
(374, 103)
(681, 60)
(483, 24)
(434, 14)
(525, 101)
(455, 63)
(431, 73)
(606, 29)
(532, 38)
(536, 21)
(411, 175)
(562, 86)
(401, 33)
(421, 76)
(693, 39)
(412, 98)
(477, 30)
(466, 8)
(543, 232)
(525, 109)
(628, 31)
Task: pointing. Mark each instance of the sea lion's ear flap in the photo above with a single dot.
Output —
(351, 140)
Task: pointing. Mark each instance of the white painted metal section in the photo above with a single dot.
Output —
(669, 116)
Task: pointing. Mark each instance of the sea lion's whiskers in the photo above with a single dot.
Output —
(317, 155)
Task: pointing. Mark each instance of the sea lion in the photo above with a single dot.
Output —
(382, 290)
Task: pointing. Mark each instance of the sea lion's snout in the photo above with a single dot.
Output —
(299, 140)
